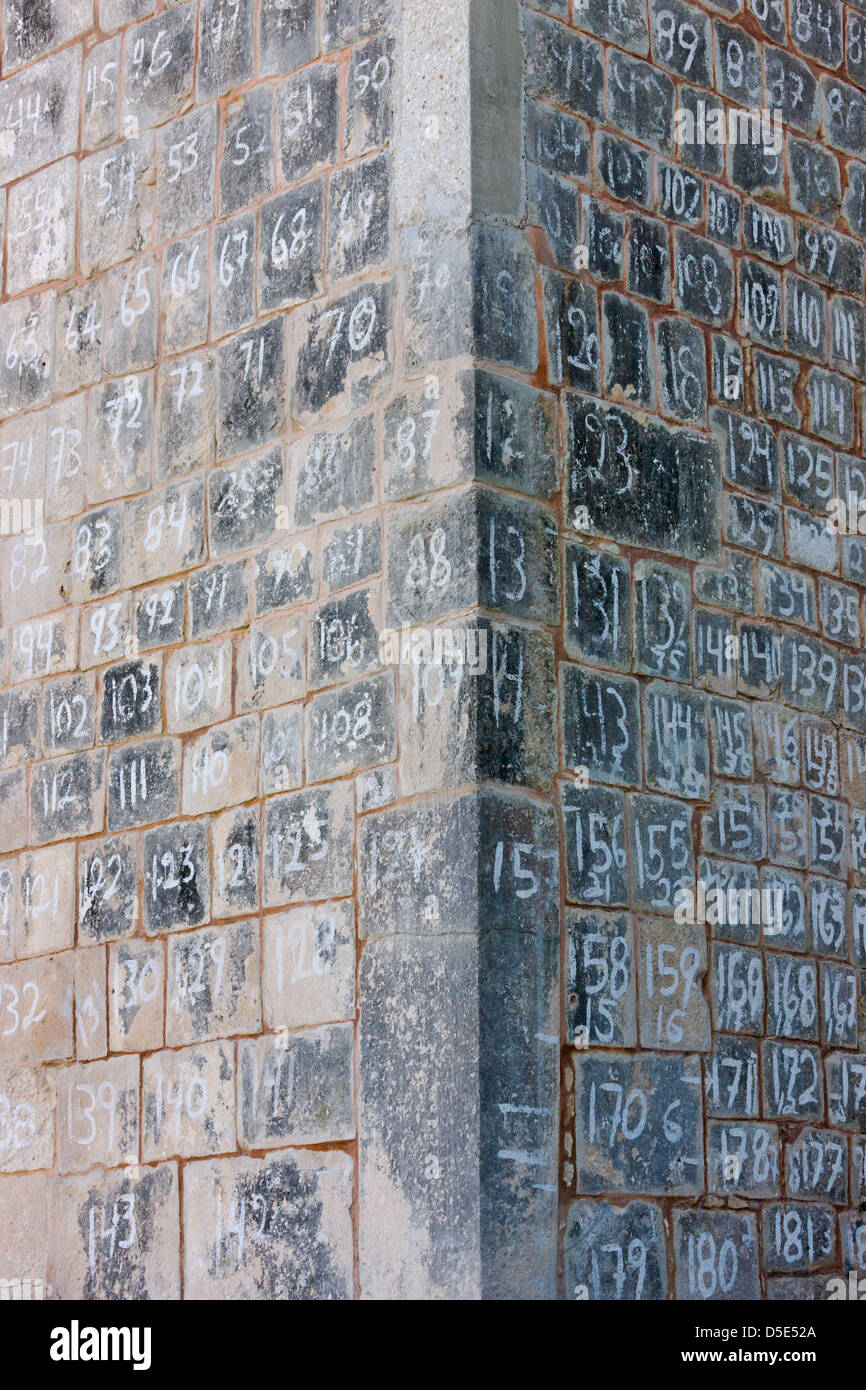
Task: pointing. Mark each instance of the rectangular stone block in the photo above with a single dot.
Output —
(117, 202)
(225, 47)
(246, 166)
(594, 834)
(169, 529)
(28, 1107)
(282, 755)
(308, 958)
(41, 227)
(98, 1114)
(598, 624)
(40, 110)
(615, 1252)
(220, 768)
(839, 1011)
(488, 859)
(623, 1098)
(115, 1236)
(798, 1236)
(731, 1078)
(639, 500)
(816, 1165)
(736, 824)
(662, 846)
(19, 727)
(91, 1004)
(271, 663)
(47, 888)
(846, 1090)
(677, 751)
(792, 994)
(431, 569)
(333, 472)
(743, 1159)
(269, 1228)
(672, 1011)
(601, 725)
(68, 714)
(136, 985)
(853, 1242)
(297, 1088)
(13, 808)
(285, 575)
(308, 114)
(188, 1102)
(342, 348)
(600, 985)
(344, 638)
(143, 783)
(500, 988)
(23, 1211)
(716, 1255)
(235, 837)
(351, 728)
(213, 983)
(158, 67)
(36, 1010)
(792, 1084)
(307, 848)
(219, 598)
(108, 878)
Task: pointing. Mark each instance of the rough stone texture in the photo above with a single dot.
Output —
(706, 395)
(113, 1235)
(432, 664)
(276, 1228)
(23, 1202)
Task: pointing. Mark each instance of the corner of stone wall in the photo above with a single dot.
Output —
(459, 1037)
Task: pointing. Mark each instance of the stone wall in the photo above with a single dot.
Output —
(199, 305)
(701, 309)
(417, 602)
